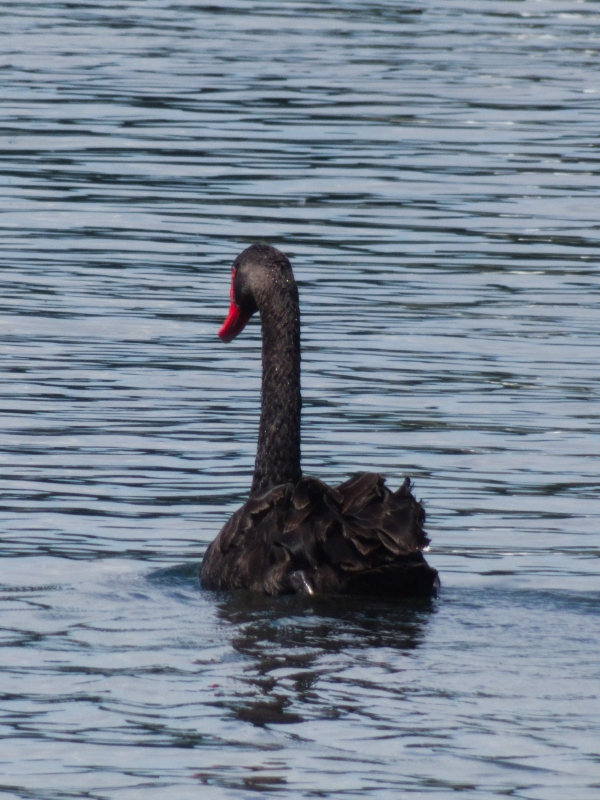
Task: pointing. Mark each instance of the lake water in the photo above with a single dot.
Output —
(433, 170)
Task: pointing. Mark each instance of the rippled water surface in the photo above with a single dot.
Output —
(432, 169)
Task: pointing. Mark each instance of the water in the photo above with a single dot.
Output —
(433, 171)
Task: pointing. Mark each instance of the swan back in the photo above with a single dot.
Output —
(358, 537)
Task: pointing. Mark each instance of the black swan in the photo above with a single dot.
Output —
(295, 534)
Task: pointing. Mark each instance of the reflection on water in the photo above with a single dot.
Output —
(288, 641)
(432, 171)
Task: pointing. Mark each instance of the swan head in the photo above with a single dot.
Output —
(255, 274)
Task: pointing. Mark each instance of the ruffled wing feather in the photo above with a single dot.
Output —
(312, 538)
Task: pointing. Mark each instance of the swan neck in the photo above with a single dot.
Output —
(278, 451)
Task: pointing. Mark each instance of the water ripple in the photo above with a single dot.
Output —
(432, 170)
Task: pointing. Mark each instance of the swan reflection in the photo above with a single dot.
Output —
(290, 644)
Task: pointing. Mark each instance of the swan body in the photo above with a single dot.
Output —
(295, 534)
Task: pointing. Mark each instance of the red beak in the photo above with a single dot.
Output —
(234, 324)
(236, 321)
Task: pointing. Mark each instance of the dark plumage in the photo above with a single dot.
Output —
(294, 533)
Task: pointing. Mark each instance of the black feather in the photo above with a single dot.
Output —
(294, 533)
(358, 537)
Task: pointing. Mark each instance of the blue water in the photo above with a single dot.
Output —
(432, 171)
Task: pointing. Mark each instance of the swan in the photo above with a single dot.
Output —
(296, 534)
